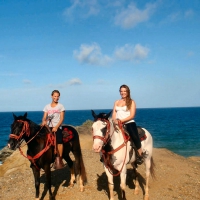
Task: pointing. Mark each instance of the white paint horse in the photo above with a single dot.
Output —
(115, 148)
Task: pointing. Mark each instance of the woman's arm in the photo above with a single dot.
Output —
(44, 119)
(114, 111)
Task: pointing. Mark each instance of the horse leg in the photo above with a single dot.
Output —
(83, 176)
(48, 180)
(81, 169)
(73, 176)
(110, 183)
(36, 174)
(136, 181)
(72, 171)
(148, 164)
(123, 182)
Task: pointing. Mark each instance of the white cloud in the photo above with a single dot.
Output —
(91, 54)
(174, 17)
(26, 81)
(132, 16)
(179, 15)
(190, 54)
(75, 81)
(131, 52)
(101, 82)
(9, 74)
(189, 13)
(82, 8)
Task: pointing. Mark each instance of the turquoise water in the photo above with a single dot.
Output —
(177, 129)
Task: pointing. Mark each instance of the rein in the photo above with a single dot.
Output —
(26, 129)
(105, 139)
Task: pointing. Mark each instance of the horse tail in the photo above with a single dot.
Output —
(77, 151)
(82, 169)
(152, 168)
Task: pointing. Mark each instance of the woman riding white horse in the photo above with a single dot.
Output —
(116, 150)
(124, 110)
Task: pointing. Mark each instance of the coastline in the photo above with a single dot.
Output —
(177, 177)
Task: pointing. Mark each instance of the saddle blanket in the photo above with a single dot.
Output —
(67, 134)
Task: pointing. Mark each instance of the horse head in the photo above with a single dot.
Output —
(100, 129)
(19, 128)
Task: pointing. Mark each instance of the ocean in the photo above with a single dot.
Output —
(177, 129)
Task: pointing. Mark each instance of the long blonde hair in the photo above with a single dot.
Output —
(128, 98)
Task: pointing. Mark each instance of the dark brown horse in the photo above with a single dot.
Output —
(40, 151)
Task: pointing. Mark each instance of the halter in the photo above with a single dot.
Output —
(106, 137)
(105, 140)
(26, 129)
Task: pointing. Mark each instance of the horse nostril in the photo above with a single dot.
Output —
(10, 145)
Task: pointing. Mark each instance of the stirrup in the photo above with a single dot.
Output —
(140, 159)
(58, 164)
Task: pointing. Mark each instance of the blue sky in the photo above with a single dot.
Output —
(87, 49)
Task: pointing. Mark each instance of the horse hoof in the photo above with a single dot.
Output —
(146, 197)
(136, 192)
(71, 185)
(52, 198)
(82, 189)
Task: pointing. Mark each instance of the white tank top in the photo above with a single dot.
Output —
(122, 113)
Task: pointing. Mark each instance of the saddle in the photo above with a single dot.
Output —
(68, 134)
(141, 132)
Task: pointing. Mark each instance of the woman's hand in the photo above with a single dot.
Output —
(54, 129)
(116, 121)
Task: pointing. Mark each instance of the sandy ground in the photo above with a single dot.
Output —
(176, 178)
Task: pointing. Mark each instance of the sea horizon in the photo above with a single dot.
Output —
(174, 128)
(107, 109)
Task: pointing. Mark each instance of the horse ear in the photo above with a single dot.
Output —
(15, 117)
(93, 114)
(108, 115)
(25, 115)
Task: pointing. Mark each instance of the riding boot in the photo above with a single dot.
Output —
(58, 164)
(140, 158)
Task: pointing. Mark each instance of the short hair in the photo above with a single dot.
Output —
(55, 91)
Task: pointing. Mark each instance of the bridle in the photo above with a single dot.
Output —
(106, 137)
(26, 130)
(105, 140)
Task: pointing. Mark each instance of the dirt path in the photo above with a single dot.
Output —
(177, 178)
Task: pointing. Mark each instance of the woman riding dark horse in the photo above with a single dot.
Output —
(40, 151)
(54, 117)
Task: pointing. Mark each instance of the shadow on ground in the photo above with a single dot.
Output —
(102, 183)
(59, 178)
